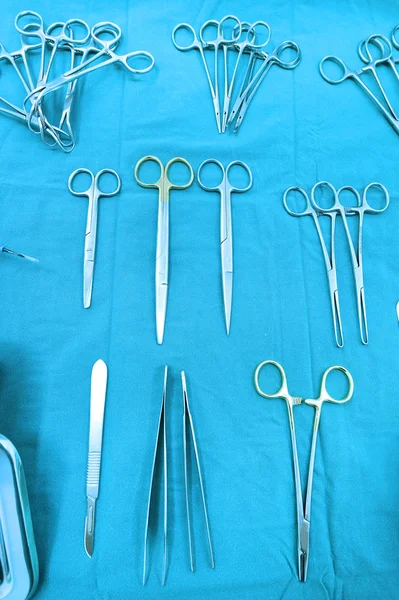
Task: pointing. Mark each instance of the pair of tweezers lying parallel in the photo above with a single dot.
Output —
(161, 440)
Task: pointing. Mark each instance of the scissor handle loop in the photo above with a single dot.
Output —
(283, 390)
(247, 30)
(195, 43)
(321, 209)
(286, 64)
(348, 209)
(149, 158)
(75, 174)
(108, 172)
(334, 59)
(367, 206)
(106, 27)
(209, 188)
(380, 42)
(68, 35)
(214, 42)
(125, 58)
(239, 163)
(325, 396)
(394, 37)
(235, 34)
(38, 27)
(307, 211)
(183, 186)
(253, 28)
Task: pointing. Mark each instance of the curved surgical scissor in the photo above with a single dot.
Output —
(163, 185)
(303, 508)
(93, 193)
(225, 189)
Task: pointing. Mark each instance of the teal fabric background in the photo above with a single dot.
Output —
(298, 130)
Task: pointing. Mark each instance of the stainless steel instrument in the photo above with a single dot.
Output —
(19, 567)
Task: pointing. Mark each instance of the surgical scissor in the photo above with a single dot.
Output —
(248, 44)
(93, 193)
(274, 58)
(163, 185)
(225, 189)
(303, 507)
(347, 73)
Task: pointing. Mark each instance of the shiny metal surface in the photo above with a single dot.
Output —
(225, 189)
(18, 557)
(164, 186)
(93, 193)
(303, 508)
(99, 377)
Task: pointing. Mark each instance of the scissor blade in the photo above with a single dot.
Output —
(161, 300)
(88, 282)
(227, 281)
(397, 310)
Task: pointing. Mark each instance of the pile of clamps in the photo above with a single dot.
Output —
(377, 54)
(243, 38)
(86, 50)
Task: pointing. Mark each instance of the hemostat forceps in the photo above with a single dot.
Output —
(303, 507)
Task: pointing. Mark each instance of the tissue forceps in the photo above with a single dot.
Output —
(93, 193)
(248, 44)
(303, 508)
(161, 439)
(356, 76)
(189, 431)
(225, 189)
(274, 58)
(97, 408)
(163, 185)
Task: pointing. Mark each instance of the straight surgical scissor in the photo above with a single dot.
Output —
(303, 507)
(225, 189)
(273, 58)
(93, 193)
(163, 185)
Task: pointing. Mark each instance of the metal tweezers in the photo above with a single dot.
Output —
(188, 429)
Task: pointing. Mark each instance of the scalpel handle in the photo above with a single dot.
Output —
(97, 408)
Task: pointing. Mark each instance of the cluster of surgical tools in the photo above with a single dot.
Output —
(376, 52)
(250, 67)
(98, 393)
(85, 49)
(161, 450)
(225, 189)
(314, 209)
(303, 507)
